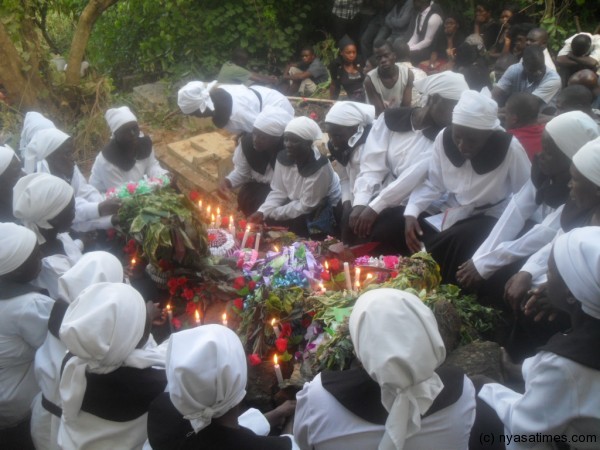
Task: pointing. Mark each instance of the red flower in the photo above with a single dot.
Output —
(325, 276)
(182, 281)
(225, 221)
(194, 195)
(165, 265)
(243, 224)
(191, 308)
(131, 247)
(176, 323)
(172, 285)
(239, 283)
(111, 233)
(212, 237)
(251, 285)
(239, 304)
(286, 330)
(188, 294)
(334, 264)
(281, 344)
(394, 274)
(131, 187)
(254, 359)
(250, 241)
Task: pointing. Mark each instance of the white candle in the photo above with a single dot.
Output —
(257, 242)
(170, 316)
(212, 221)
(357, 279)
(231, 226)
(225, 319)
(322, 287)
(347, 276)
(245, 238)
(369, 279)
(197, 317)
(277, 370)
(200, 205)
(218, 221)
(275, 328)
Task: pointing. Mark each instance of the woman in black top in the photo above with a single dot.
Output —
(347, 72)
(447, 39)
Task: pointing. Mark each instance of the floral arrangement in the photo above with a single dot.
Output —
(145, 186)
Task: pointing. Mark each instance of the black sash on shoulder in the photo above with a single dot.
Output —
(344, 156)
(306, 170)
(551, 191)
(115, 154)
(579, 345)
(258, 161)
(399, 120)
(56, 317)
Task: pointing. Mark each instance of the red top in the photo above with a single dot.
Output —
(530, 138)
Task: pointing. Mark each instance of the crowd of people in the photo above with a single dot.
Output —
(498, 180)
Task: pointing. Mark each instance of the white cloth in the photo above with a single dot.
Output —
(272, 120)
(448, 85)
(380, 323)
(350, 114)
(195, 96)
(210, 392)
(33, 122)
(304, 128)
(42, 145)
(38, 198)
(548, 60)
(465, 187)
(243, 173)
(23, 328)
(390, 97)
(435, 22)
(106, 175)
(418, 74)
(561, 398)
(577, 257)
(6, 156)
(349, 173)
(322, 423)
(594, 50)
(587, 161)
(476, 110)
(16, 245)
(117, 117)
(537, 264)
(391, 166)
(571, 130)
(293, 195)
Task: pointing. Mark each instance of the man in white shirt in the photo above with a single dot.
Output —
(581, 51)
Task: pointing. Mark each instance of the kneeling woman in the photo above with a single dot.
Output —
(305, 188)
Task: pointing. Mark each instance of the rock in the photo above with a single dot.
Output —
(152, 95)
(478, 358)
(449, 323)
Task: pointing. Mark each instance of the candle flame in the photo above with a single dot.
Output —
(327, 265)
(322, 286)
(273, 322)
(224, 317)
(199, 204)
(231, 221)
(212, 217)
(218, 211)
(276, 248)
(133, 261)
(275, 360)
(248, 228)
(197, 316)
(208, 209)
(369, 276)
(168, 307)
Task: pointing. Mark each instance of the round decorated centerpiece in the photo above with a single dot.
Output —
(220, 242)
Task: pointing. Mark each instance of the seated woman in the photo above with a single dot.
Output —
(443, 49)
(51, 151)
(33, 122)
(207, 375)
(254, 160)
(230, 106)
(10, 172)
(93, 267)
(24, 314)
(127, 157)
(562, 381)
(485, 25)
(108, 380)
(347, 72)
(400, 398)
(305, 188)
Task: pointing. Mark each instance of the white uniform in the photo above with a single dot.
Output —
(106, 175)
(243, 173)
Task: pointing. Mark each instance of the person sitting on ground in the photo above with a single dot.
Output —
(472, 64)
(24, 314)
(539, 37)
(423, 29)
(51, 151)
(516, 42)
(232, 107)
(390, 84)
(589, 79)
(304, 77)
(447, 39)
(477, 166)
(530, 75)
(503, 42)
(521, 120)
(10, 173)
(254, 160)
(33, 122)
(305, 189)
(562, 380)
(347, 72)
(348, 125)
(128, 157)
(540, 201)
(575, 98)
(207, 375)
(581, 51)
(403, 57)
(397, 21)
(398, 396)
(235, 72)
(396, 159)
(485, 25)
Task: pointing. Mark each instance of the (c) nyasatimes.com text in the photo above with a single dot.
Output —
(488, 439)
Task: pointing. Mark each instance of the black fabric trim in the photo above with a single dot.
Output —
(222, 114)
(10, 289)
(453, 379)
(114, 154)
(431, 132)
(167, 428)
(56, 317)
(579, 345)
(398, 119)
(258, 161)
(344, 156)
(307, 169)
(488, 159)
(124, 394)
(51, 407)
(260, 102)
(551, 191)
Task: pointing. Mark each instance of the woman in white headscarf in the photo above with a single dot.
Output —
(207, 375)
(33, 122)
(305, 188)
(562, 381)
(479, 166)
(24, 314)
(129, 155)
(254, 159)
(93, 267)
(233, 107)
(10, 172)
(107, 386)
(400, 398)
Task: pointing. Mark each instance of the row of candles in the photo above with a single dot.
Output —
(356, 286)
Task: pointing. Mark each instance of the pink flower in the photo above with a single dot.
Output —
(390, 261)
(254, 359)
(131, 187)
(313, 115)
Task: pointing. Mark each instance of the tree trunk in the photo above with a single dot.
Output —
(90, 14)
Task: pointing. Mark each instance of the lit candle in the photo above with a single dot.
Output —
(245, 238)
(200, 205)
(257, 242)
(224, 319)
(208, 211)
(275, 328)
(218, 222)
(369, 279)
(170, 316)
(347, 276)
(357, 278)
(322, 287)
(276, 249)
(197, 317)
(212, 220)
(231, 226)
(277, 370)
(327, 268)
(133, 262)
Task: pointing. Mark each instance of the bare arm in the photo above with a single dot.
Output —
(374, 97)
(407, 94)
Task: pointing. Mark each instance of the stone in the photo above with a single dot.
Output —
(449, 323)
(151, 95)
(478, 358)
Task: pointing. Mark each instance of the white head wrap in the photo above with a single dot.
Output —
(396, 339)
(42, 145)
(571, 130)
(476, 110)
(577, 256)
(349, 114)
(195, 96)
(16, 245)
(587, 161)
(33, 123)
(101, 328)
(6, 156)
(304, 128)
(448, 85)
(38, 198)
(206, 373)
(117, 117)
(272, 120)
(92, 268)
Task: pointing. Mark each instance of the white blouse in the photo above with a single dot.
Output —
(243, 173)
(349, 173)
(106, 175)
